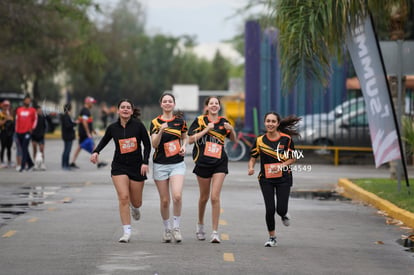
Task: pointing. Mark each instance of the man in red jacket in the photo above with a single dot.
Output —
(26, 120)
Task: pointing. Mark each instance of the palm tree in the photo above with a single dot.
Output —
(311, 32)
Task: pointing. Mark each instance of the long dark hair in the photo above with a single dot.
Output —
(136, 111)
(207, 101)
(177, 113)
(287, 125)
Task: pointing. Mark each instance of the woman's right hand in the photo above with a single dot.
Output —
(94, 158)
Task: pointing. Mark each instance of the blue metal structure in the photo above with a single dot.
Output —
(263, 81)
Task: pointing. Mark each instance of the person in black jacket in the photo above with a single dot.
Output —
(38, 139)
(130, 162)
(68, 135)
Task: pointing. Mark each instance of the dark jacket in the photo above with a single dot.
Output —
(67, 125)
(41, 127)
(135, 135)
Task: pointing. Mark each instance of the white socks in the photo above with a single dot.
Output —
(167, 224)
(127, 229)
(175, 220)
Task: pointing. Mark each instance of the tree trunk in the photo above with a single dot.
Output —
(393, 83)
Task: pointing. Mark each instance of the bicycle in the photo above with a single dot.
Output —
(238, 149)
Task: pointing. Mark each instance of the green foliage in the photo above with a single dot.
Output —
(311, 32)
(388, 190)
(108, 59)
(408, 132)
(39, 38)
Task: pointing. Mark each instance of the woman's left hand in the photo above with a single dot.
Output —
(144, 169)
(182, 150)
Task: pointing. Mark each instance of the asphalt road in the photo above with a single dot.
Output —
(66, 222)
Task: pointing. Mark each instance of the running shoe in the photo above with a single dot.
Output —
(177, 235)
(73, 165)
(125, 238)
(101, 164)
(271, 242)
(286, 220)
(200, 234)
(135, 213)
(215, 237)
(167, 236)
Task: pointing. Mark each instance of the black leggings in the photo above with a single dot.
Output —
(282, 196)
(6, 145)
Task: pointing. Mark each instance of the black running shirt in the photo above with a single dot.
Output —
(273, 152)
(127, 141)
(209, 149)
(168, 150)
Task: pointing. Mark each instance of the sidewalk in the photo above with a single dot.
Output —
(350, 190)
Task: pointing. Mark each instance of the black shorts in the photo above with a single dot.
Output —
(208, 171)
(39, 139)
(133, 172)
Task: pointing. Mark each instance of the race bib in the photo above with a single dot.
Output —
(172, 148)
(272, 170)
(213, 150)
(128, 145)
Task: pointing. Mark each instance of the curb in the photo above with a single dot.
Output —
(350, 190)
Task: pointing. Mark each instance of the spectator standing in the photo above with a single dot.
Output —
(6, 133)
(104, 115)
(26, 120)
(68, 134)
(38, 138)
(86, 131)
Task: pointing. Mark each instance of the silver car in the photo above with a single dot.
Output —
(350, 129)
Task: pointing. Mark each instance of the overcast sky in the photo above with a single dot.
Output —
(205, 18)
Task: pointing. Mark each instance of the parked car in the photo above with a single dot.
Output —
(346, 107)
(350, 129)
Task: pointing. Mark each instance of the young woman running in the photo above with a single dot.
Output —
(208, 132)
(169, 139)
(129, 165)
(274, 148)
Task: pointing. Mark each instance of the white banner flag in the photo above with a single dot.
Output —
(365, 54)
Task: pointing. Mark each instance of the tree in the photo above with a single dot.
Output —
(219, 73)
(40, 38)
(312, 32)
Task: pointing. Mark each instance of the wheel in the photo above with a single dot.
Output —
(322, 143)
(235, 150)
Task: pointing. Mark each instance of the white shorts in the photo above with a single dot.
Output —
(165, 171)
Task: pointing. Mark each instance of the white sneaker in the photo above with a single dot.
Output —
(271, 242)
(125, 238)
(200, 234)
(177, 235)
(215, 237)
(43, 167)
(135, 213)
(166, 237)
(18, 168)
